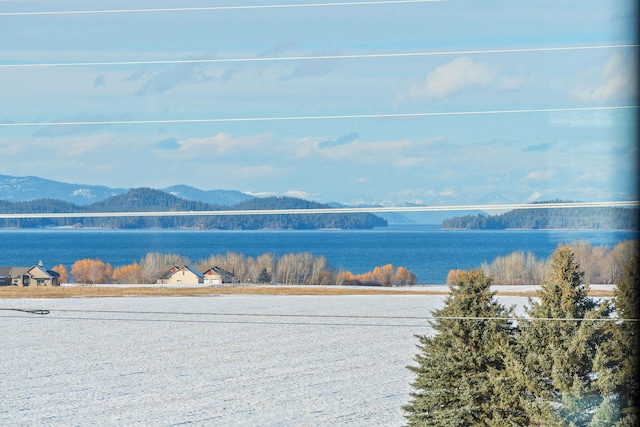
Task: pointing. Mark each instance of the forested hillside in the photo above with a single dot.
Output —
(146, 199)
(572, 218)
(28, 188)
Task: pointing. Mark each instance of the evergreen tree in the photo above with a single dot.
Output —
(460, 377)
(264, 276)
(618, 361)
(554, 359)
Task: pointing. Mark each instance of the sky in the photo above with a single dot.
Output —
(485, 62)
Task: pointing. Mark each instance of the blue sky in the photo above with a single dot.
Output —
(446, 160)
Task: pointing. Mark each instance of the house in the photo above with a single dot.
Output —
(185, 275)
(217, 276)
(166, 276)
(28, 276)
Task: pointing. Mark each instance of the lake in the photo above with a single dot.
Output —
(424, 249)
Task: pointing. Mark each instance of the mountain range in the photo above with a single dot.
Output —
(34, 194)
(27, 188)
(23, 189)
(151, 200)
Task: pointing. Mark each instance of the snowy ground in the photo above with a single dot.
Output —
(219, 360)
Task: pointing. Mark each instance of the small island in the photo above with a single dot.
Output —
(592, 218)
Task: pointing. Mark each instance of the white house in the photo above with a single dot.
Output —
(217, 276)
(185, 275)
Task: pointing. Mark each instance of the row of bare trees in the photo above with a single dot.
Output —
(290, 269)
(384, 276)
(601, 265)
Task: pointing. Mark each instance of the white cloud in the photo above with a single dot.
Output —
(106, 159)
(299, 194)
(465, 74)
(403, 153)
(408, 195)
(256, 172)
(539, 175)
(534, 196)
(10, 147)
(615, 79)
(455, 76)
(412, 161)
(357, 168)
(219, 144)
(581, 119)
(447, 193)
(260, 193)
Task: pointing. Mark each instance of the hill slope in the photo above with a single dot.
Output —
(146, 200)
(539, 219)
(216, 197)
(22, 189)
(29, 188)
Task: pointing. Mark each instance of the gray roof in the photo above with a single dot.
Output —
(21, 271)
(13, 271)
(220, 271)
(175, 269)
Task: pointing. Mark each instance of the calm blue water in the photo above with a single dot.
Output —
(427, 251)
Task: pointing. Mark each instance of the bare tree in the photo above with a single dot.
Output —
(91, 271)
(384, 274)
(404, 277)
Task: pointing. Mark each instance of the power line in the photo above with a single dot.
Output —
(293, 316)
(327, 117)
(318, 57)
(348, 210)
(243, 322)
(26, 310)
(216, 8)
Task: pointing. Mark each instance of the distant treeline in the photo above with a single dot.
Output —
(554, 218)
(600, 264)
(147, 200)
(288, 269)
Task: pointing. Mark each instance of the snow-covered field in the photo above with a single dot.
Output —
(219, 360)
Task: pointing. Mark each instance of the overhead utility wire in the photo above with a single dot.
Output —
(318, 57)
(306, 316)
(227, 321)
(320, 211)
(341, 316)
(214, 8)
(329, 117)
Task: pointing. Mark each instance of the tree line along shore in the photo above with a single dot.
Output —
(300, 269)
(597, 218)
(602, 265)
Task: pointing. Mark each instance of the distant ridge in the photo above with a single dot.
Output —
(595, 218)
(23, 189)
(216, 197)
(151, 200)
(26, 188)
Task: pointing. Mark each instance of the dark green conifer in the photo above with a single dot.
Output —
(460, 376)
(553, 361)
(618, 358)
(264, 276)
